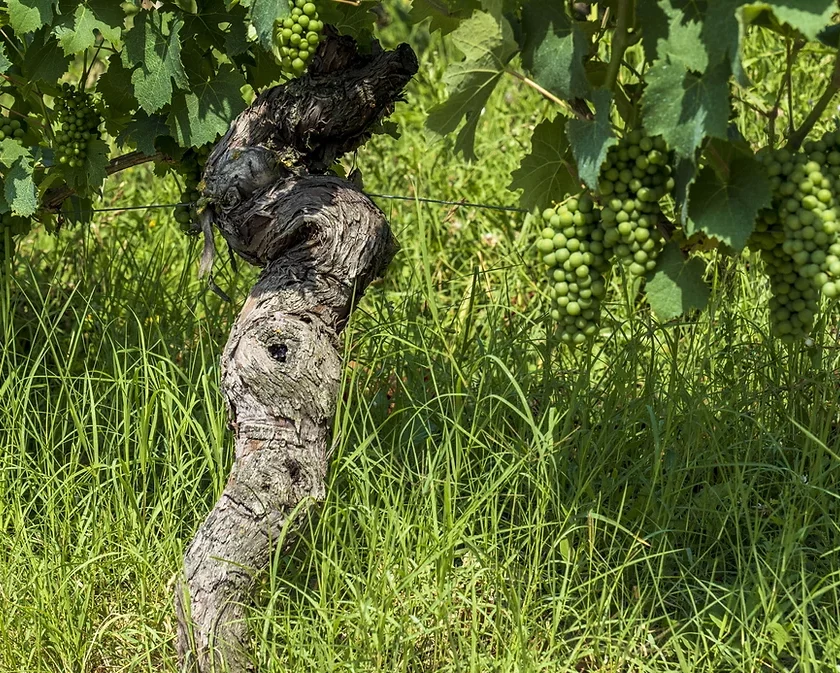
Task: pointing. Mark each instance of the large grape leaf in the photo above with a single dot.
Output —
(263, 15)
(200, 115)
(76, 29)
(554, 48)
(547, 173)
(27, 16)
(118, 94)
(153, 45)
(354, 19)
(725, 206)
(212, 24)
(676, 286)
(698, 36)
(19, 187)
(684, 107)
(44, 59)
(442, 15)
(591, 140)
(143, 131)
(809, 17)
(487, 46)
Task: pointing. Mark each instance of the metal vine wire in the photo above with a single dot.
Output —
(392, 197)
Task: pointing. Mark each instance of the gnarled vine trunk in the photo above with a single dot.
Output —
(320, 242)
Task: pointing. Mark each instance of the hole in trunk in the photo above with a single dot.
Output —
(278, 352)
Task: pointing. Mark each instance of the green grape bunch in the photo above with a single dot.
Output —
(190, 169)
(799, 235)
(14, 128)
(78, 123)
(635, 177)
(572, 247)
(297, 36)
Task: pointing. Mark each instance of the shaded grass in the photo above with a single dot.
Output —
(665, 502)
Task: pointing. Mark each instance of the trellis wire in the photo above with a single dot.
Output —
(392, 197)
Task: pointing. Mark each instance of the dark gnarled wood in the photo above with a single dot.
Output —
(320, 242)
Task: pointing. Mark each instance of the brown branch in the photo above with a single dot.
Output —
(55, 196)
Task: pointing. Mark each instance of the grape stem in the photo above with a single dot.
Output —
(798, 136)
(621, 40)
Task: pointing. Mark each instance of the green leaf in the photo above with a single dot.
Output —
(154, 47)
(547, 173)
(88, 178)
(442, 15)
(263, 15)
(725, 206)
(19, 188)
(76, 31)
(591, 140)
(676, 286)
(44, 59)
(27, 16)
(118, 94)
(201, 115)
(5, 63)
(143, 131)
(684, 108)
(355, 20)
(487, 46)
(809, 17)
(554, 49)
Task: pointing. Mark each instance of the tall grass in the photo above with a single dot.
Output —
(665, 502)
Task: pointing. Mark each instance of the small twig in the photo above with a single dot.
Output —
(798, 137)
(575, 110)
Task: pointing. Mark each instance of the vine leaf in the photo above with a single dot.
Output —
(5, 63)
(591, 140)
(263, 15)
(115, 88)
(809, 17)
(350, 18)
(487, 45)
(19, 187)
(684, 107)
(675, 286)
(153, 43)
(547, 172)
(27, 16)
(44, 59)
(442, 16)
(200, 115)
(725, 207)
(554, 49)
(76, 30)
(143, 131)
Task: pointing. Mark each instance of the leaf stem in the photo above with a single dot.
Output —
(620, 41)
(798, 136)
(569, 107)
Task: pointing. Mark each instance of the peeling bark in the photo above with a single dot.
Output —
(320, 242)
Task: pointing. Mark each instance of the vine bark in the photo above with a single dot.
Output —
(320, 242)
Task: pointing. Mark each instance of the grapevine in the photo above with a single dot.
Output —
(298, 35)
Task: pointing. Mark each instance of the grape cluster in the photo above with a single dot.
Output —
(635, 176)
(190, 168)
(572, 246)
(78, 123)
(798, 235)
(11, 127)
(11, 226)
(298, 35)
